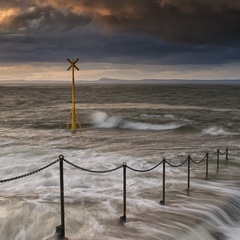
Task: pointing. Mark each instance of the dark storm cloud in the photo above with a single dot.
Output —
(191, 22)
(161, 31)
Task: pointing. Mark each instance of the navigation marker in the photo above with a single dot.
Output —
(73, 117)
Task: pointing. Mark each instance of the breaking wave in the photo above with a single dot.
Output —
(215, 131)
(164, 117)
(102, 120)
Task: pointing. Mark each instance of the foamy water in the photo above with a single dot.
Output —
(102, 120)
(93, 202)
(139, 134)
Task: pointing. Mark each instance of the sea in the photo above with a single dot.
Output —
(133, 125)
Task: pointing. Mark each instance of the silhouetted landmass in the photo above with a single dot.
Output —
(120, 81)
(166, 81)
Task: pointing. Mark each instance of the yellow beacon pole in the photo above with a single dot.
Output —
(73, 114)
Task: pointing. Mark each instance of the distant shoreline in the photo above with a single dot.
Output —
(119, 81)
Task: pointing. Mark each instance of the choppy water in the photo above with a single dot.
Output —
(136, 124)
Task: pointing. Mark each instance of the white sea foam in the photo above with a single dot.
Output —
(94, 201)
(29, 139)
(102, 120)
(215, 131)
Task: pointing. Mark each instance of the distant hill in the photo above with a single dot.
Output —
(120, 81)
(165, 81)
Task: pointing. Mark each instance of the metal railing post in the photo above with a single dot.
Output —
(162, 202)
(189, 167)
(123, 218)
(61, 158)
(218, 153)
(206, 166)
(226, 154)
(60, 230)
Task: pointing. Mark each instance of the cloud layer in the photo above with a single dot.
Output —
(146, 31)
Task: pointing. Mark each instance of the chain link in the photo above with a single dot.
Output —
(92, 171)
(200, 161)
(170, 164)
(146, 170)
(28, 174)
(222, 153)
(104, 171)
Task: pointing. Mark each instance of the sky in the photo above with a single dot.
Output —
(121, 39)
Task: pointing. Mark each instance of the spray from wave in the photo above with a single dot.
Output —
(215, 131)
(102, 120)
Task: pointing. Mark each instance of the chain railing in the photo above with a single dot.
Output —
(60, 230)
(28, 174)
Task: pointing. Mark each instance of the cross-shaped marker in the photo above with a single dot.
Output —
(73, 113)
(73, 64)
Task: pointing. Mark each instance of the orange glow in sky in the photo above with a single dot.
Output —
(127, 39)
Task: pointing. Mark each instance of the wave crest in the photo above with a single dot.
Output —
(102, 120)
(215, 131)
